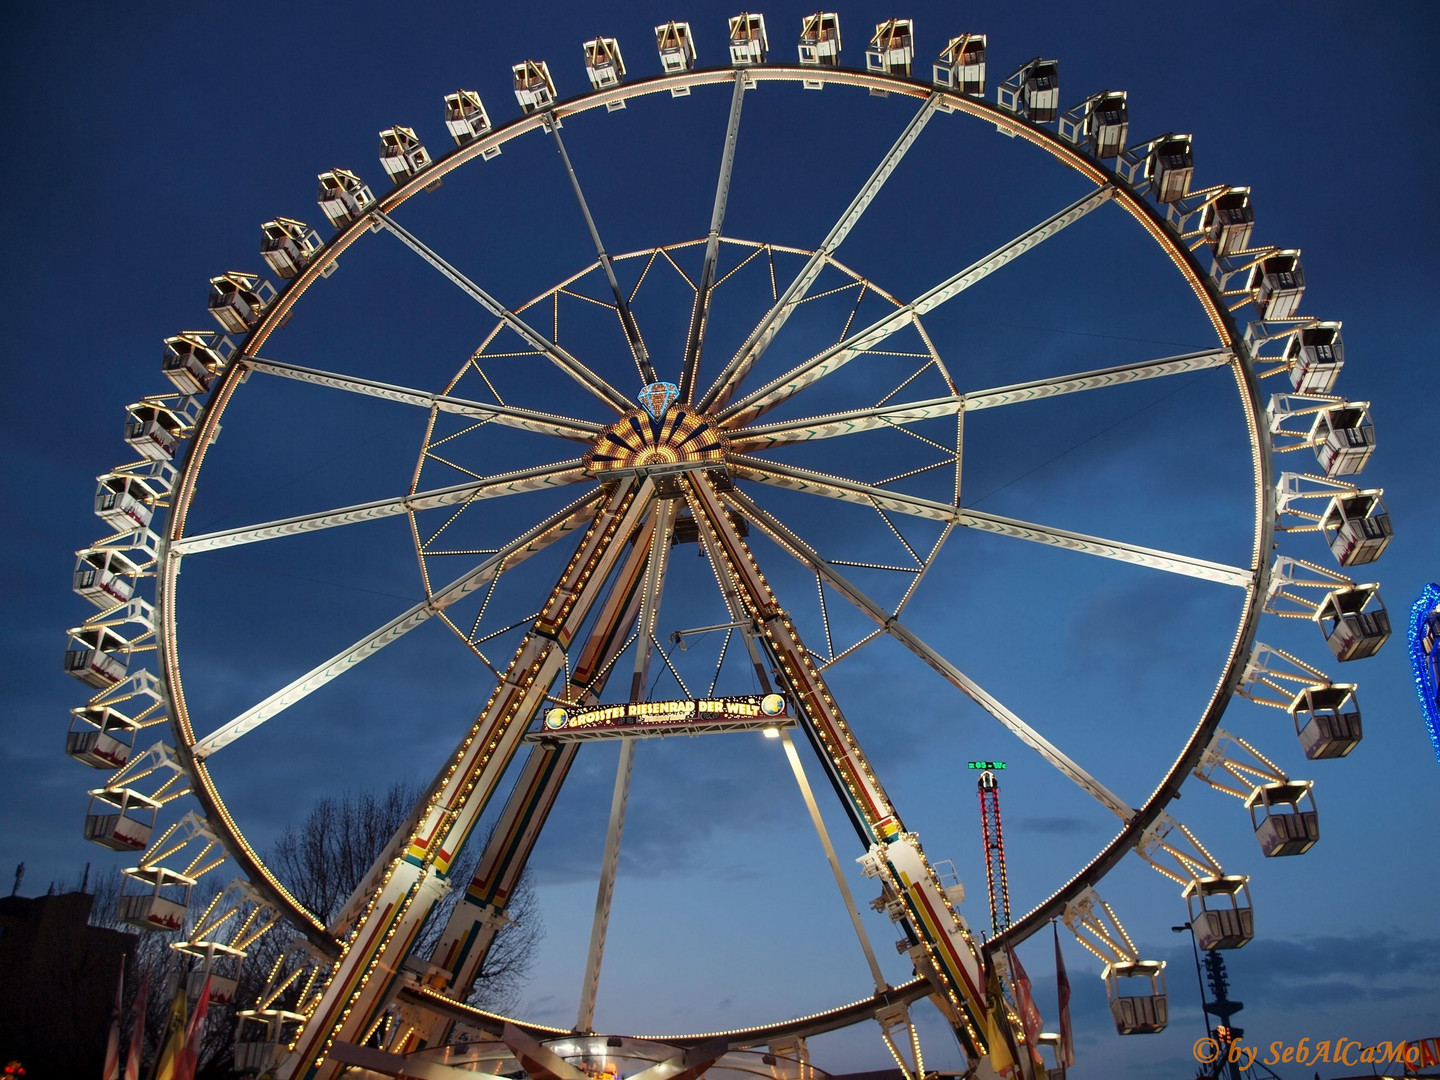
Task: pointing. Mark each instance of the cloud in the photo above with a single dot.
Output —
(1054, 826)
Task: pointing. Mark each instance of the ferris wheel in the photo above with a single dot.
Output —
(817, 464)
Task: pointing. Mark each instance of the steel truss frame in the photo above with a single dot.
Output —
(407, 880)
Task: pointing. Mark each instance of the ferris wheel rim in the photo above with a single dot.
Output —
(1189, 267)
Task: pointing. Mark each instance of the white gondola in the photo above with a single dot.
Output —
(534, 88)
(223, 988)
(1220, 911)
(466, 118)
(1276, 285)
(1354, 621)
(1327, 720)
(1228, 221)
(604, 65)
(104, 576)
(1107, 124)
(98, 656)
(259, 1055)
(124, 502)
(1315, 356)
(820, 40)
(676, 46)
(343, 197)
(220, 966)
(892, 48)
(1171, 167)
(1344, 438)
(121, 819)
(1284, 817)
(1357, 527)
(1138, 1003)
(193, 359)
(288, 245)
(154, 898)
(1040, 90)
(962, 65)
(100, 736)
(154, 431)
(401, 154)
(748, 42)
(237, 300)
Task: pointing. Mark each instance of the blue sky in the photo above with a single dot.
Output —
(152, 144)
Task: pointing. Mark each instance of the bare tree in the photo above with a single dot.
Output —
(321, 861)
(324, 858)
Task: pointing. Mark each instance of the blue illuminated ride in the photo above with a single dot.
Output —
(1425, 658)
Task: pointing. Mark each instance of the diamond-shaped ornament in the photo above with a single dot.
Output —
(657, 398)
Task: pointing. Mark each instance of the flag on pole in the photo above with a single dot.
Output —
(112, 1048)
(174, 1037)
(137, 1034)
(190, 1055)
(1066, 1050)
(1025, 1005)
(997, 1027)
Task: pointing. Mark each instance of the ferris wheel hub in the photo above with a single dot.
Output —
(662, 437)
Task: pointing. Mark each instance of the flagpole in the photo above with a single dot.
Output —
(1066, 1050)
(112, 1047)
(137, 1033)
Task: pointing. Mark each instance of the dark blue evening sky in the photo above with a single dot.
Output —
(150, 142)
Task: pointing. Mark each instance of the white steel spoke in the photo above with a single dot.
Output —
(622, 305)
(764, 436)
(537, 479)
(889, 624)
(509, 415)
(695, 339)
(558, 356)
(1108, 549)
(739, 366)
(835, 357)
(835, 487)
(1094, 380)
(512, 554)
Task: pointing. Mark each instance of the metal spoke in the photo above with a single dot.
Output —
(622, 305)
(1094, 380)
(797, 547)
(537, 479)
(509, 415)
(835, 357)
(699, 316)
(759, 340)
(651, 587)
(558, 356)
(835, 487)
(831, 425)
(517, 551)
